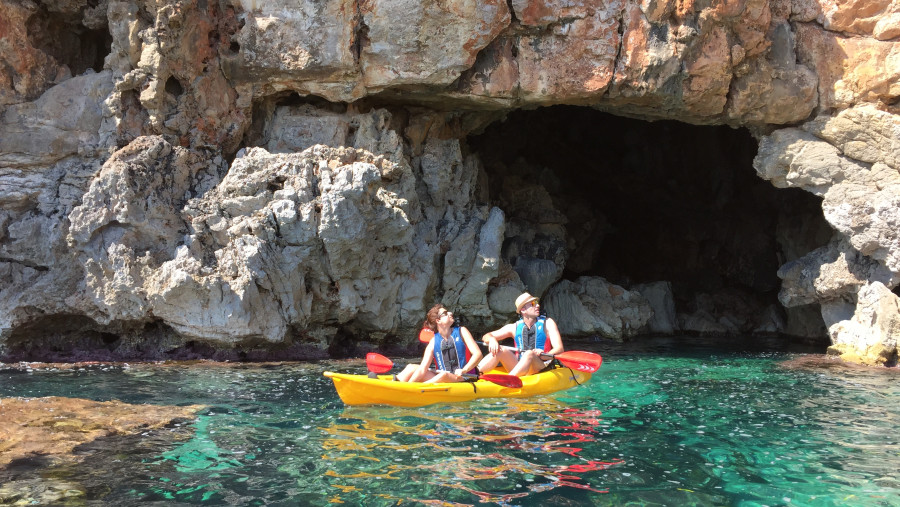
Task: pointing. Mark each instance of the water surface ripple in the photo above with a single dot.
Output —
(666, 424)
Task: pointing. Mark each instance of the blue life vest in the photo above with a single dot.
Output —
(540, 336)
(452, 353)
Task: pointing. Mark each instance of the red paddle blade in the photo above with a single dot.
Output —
(425, 335)
(580, 360)
(378, 363)
(503, 380)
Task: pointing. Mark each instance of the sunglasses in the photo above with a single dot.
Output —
(530, 304)
(443, 313)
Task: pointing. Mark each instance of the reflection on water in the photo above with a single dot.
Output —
(520, 447)
(664, 425)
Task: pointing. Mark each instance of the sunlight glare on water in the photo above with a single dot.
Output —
(661, 427)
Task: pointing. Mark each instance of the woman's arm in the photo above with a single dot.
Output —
(428, 356)
(474, 351)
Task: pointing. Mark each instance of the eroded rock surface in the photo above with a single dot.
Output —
(245, 172)
(850, 160)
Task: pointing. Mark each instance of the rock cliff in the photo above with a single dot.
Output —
(300, 176)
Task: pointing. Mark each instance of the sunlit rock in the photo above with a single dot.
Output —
(850, 160)
(829, 273)
(430, 43)
(258, 172)
(870, 335)
(573, 57)
(850, 70)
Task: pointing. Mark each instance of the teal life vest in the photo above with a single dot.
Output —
(452, 353)
(540, 336)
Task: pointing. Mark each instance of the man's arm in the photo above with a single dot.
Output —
(552, 331)
(492, 339)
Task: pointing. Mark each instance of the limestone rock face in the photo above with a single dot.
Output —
(593, 306)
(28, 70)
(276, 228)
(851, 161)
(343, 50)
(49, 151)
(277, 245)
(829, 273)
(246, 172)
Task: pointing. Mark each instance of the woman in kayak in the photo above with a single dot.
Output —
(453, 350)
(534, 335)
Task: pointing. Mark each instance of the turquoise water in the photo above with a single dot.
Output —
(667, 424)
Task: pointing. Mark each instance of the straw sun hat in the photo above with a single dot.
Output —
(521, 300)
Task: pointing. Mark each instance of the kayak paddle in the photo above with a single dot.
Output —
(579, 360)
(498, 378)
(575, 359)
(380, 364)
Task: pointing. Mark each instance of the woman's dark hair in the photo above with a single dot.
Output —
(432, 316)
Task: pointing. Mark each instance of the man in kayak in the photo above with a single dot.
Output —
(453, 350)
(534, 336)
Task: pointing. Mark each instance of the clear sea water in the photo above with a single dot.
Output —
(662, 423)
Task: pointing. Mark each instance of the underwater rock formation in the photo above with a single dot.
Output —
(243, 173)
(53, 427)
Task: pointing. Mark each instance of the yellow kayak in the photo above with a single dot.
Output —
(363, 390)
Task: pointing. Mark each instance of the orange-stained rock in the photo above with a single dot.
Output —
(850, 70)
(857, 17)
(425, 42)
(709, 75)
(177, 84)
(27, 71)
(649, 63)
(545, 12)
(572, 62)
(495, 73)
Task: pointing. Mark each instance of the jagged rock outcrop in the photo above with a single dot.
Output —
(299, 244)
(850, 160)
(241, 172)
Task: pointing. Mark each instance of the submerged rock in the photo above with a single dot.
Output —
(51, 428)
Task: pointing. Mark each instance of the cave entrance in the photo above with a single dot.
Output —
(638, 202)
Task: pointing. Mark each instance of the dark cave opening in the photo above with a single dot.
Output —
(639, 202)
(69, 41)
